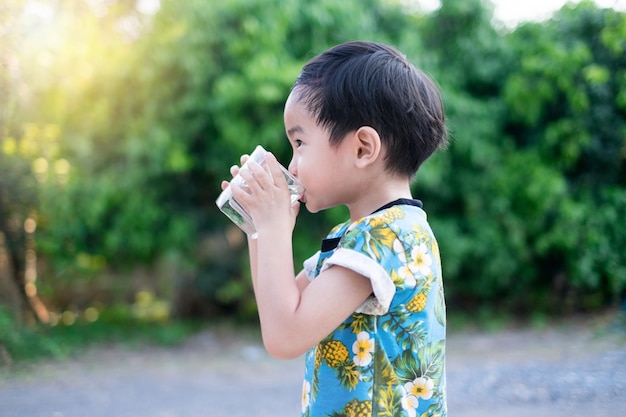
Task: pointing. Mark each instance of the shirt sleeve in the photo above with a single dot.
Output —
(382, 285)
(310, 265)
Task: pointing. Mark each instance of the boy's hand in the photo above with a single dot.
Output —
(266, 196)
(234, 170)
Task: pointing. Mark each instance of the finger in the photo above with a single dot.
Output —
(241, 195)
(249, 180)
(234, 170)
(276, 170)
(225, 185)
(262, 176)
(296, 207)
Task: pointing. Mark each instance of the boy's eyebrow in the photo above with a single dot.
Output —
(295, 129)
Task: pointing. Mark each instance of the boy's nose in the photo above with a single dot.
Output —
(293, 167)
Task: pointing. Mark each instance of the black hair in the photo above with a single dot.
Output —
(360, 83)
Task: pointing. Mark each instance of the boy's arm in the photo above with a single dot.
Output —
(296, 315)
(252, 253)
(302, 280)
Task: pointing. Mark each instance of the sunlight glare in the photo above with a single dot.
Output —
(30, 289)
(99, 7)
(40, 169)
(68, 318)
(514, 12)
(30, 225)
(62, 170)
(9, 146)
(38, 13)
(148, 7)
(91, 314)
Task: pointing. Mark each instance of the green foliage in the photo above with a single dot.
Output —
(116, 325)
(144, 124)
(520, 201)
(152, 116)
(596, 256)
(20, 342)
(576, 125)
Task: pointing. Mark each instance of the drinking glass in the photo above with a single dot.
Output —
(236, 213)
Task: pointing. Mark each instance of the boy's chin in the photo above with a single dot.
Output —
(314, 208)
(311, 208)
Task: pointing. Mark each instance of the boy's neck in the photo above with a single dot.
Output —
(377, 194)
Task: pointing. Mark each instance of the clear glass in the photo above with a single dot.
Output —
(233, 210)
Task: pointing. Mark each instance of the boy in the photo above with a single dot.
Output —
(368, 308)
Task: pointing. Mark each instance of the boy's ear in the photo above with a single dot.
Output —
(367, 146)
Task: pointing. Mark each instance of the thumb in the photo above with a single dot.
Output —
(296, 207)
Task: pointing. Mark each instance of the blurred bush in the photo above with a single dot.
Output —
(136, 115)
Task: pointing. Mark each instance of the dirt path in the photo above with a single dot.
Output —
(565, 371)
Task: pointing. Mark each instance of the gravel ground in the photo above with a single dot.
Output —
(561, 371)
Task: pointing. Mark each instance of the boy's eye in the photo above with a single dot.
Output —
(298, 143)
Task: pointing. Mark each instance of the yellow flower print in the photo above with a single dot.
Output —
(421, 387)
(408, 278)
(405, 272)
(306, 395)
(421, 259)
(363, 348)
(409, 403)
(398, 248)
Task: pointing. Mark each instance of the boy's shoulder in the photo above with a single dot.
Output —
(386, 225)
(339, 230)
(400, 214)
(397, 218)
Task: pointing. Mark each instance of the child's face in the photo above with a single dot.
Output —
(322, 169)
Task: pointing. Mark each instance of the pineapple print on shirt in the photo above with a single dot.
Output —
(386, 359)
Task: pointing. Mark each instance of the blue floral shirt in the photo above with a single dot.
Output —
(388, 357)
